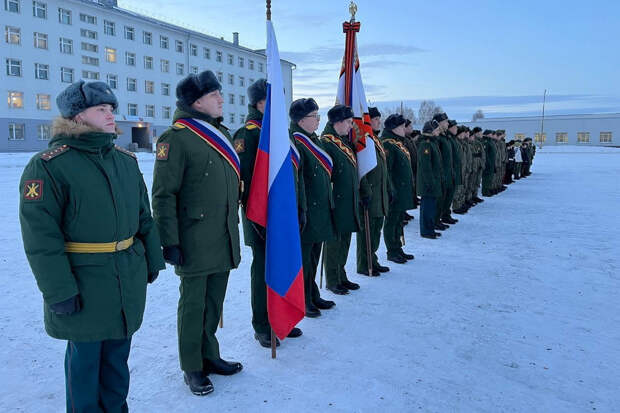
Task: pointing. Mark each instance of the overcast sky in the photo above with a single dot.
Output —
(494, 54)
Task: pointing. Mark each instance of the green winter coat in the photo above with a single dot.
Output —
(429, 171)
(345, 180)
(490, 151)
(447, 161)
(399, 167)
(457, 162)
(317, 188)
(195, 199)
(374, 184)
(84, 189)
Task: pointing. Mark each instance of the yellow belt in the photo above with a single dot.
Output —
(98, 247)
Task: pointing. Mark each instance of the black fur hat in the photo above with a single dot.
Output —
(373, 112)
(394, 121)
(476, 130)
(439, 117)
(339, 113)
(301, 107)
(488, 132)
(193, 87)
(430, 126)
(80, 96)
(407, 122)
(257, 91)
(452, 123)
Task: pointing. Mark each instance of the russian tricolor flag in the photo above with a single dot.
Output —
(272, 203)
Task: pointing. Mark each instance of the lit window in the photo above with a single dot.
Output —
(64, 16)
(41, 71)
(39, 9)
(132, 109)
(40, 40)
(66, 46)
(130, 33)
(149, 86)
(583, 137)
(43, 102)
(605, 137)
(561, 137)
(16, 131)
(13, 67)
(539, 139)
(148, 62)
(165, 66)
(112, 81)
(110, 55)
(109, 28)
(66, 75)
(44, 132)
(147, 37)
(16, 100)
(131, 84)
(12, 35)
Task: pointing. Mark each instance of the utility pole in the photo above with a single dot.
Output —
(542, 120)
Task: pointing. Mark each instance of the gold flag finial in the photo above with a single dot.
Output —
(352, 10)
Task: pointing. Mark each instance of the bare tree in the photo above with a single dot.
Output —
(427, 110)
(403, 109)
(478, 115)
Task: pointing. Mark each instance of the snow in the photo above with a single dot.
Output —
(514, 309)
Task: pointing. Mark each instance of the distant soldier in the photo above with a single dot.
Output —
(518, 160)
(92, 245)
(459, 205)
(316, 170)
(409, 142)
(245, 142)
(374, 196)
(399, 165)
(457, 169)
(510, 163)
(345, 181)
(429, 178)
(196, 186)
(447, 166)
(489, 171)
(478, 160)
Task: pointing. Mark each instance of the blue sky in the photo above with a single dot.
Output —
(495, 55)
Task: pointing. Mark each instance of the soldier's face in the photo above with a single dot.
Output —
(399, 131)
(260, 106)
(376, 123)
(310, 122)
(409, 129)
(343, 127)
(453, 130)
(210, 104)
(443, 125)
(99, 117)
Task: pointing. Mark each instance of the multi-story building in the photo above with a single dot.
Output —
(49, 44)
(596, 129)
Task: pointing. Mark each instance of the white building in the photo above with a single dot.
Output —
(596, 129)
(49, 44)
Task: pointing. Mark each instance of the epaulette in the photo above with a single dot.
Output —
(126, 151)
(177, 126)
(250, 126)
(52, 153)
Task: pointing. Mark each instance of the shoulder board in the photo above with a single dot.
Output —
(52, 153)
(125, 151)
(177, 126)
(250, 126)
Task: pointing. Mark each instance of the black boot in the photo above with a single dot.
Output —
(407, 256)
(350, 285)
(433, 236)
(478, 200)
(375, 273)
(381, 268)
(324, 304)
(312, 311)
(294, 333)
(338, 289)
(264, 339)
(221, 367)
(397, 258)
(198, 382)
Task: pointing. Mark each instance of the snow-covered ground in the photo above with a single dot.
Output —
(515, 309)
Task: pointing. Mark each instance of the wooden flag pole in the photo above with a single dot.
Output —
(368, 246)
(322, 263)
(222, 317)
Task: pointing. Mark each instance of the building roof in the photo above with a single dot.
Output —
(550, 117)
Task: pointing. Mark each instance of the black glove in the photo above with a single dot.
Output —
(152, 277)
(302, 220)
(173, 255)
(365, 201)
(69, 306)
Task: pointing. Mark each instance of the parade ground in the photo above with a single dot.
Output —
(514, 309)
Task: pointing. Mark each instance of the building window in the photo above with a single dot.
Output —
(11, 5)
(218, 56)
(149, 86)
(163, 42)
(165, 66)
(231, 98)
(251, 81)
(165, 112)
(149, 111)
(241, 61)
(64, 16)
(242, 100)
(44, 132)
(16, 131)
(147, 38)
(605, 137)
(193, 50)
(132, 109)
(90, 47)
(40, 40)
(178, 46)
(109, 28)
(89, 34)
(16, 99)
(583, 137)
(539, 139)
(130, 59)
(66, 45)
(232, 118)
(87, 74)
(131, 84)
(43, 102)
(241, 81)
(12, 35)
(130, 33)
(231, 79)
(148, 62)
(220, 76)
(110, 55)
(112, 81)
(561, 137)
(206, 52)
(41, 71)
(518, 136)
(194, 70)
(13, 67)
(66, 75)
(89, 60)
(231, 59)
(39, 9)
(260, 67)
(251, 64)
(180, 69)
(165, 89)
(87, 18)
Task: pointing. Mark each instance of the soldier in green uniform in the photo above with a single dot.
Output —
(345, 181)
(479, 159)
(503, 151)
(399, 167)
(92, 245)
(490, 163)
(450, 134)
(447, 166)
(459, 205)
(245, 142)
(409, 142)
(429, 178)
(316, 170)
(374, 195)
(196, 186)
